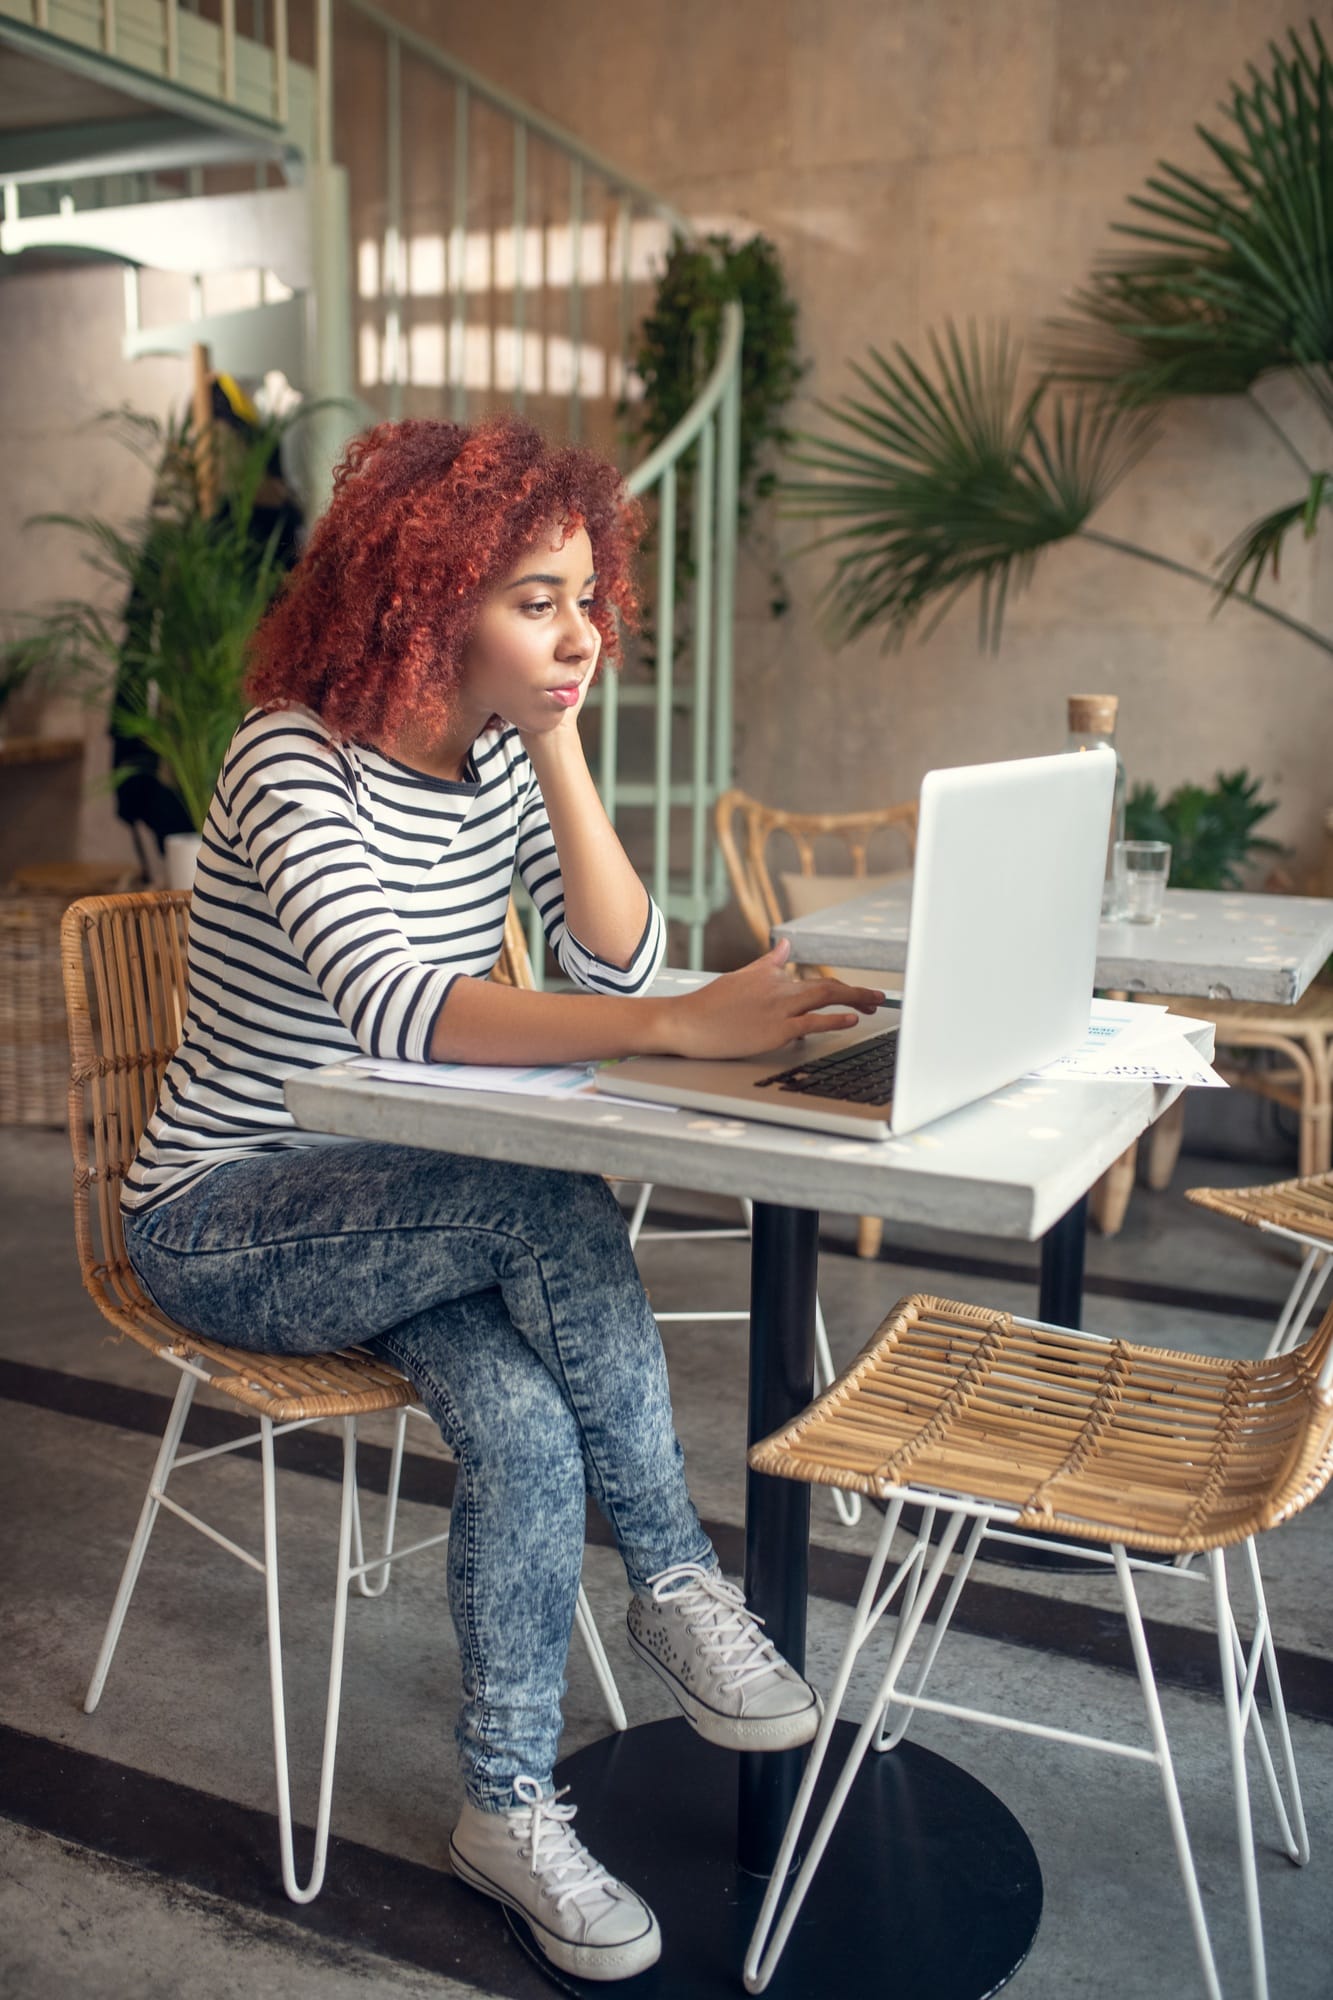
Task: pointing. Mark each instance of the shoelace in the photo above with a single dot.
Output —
(715, 1609)
(558, 1855)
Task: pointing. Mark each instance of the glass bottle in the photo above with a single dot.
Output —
(1092, 723)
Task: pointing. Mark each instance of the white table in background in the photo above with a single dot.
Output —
(1211, 944)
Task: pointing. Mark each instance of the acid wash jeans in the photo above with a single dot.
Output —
(509, 1297)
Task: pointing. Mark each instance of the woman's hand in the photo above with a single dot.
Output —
(758, 1008)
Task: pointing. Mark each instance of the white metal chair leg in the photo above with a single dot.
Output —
(640, 1209)
(1162, 1757)
(1233, 1706)
(363, 1583)
(1300, 1302)
(1290, 1811)
(586, 1626)
(334, 1698)
(891, 1733)
(166, 1457)
(764, 1951)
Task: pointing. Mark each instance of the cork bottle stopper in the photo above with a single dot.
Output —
(1093, 714)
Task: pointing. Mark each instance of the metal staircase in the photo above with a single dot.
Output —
(471, 255)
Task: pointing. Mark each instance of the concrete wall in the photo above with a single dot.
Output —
(918, 159)
(913, 159)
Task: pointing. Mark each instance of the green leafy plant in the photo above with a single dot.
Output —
(1211, 831)
(189, 589)
(941, 484)
(951, 478)
(678, 345)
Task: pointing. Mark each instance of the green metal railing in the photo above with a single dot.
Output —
(691, 643)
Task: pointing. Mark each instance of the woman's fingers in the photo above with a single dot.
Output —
(819, 1024)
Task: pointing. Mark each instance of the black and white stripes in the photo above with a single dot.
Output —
(339, 894)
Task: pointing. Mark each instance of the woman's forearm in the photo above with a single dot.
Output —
(606, 905)
(484, 1022)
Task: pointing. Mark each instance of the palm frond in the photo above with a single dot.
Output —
(943, 480)
(1259, 547)
(1230, 277)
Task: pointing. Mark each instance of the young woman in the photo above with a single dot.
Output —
(414, 741)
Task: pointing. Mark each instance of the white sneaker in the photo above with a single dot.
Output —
(530, 1858)
(731, 1682)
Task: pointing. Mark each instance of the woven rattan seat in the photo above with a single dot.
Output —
(124, 966)
(1104, 1440)
(1301, 1212)
(1301, 1207)
(1100, 1447)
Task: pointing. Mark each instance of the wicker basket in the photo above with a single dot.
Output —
(34, 1050)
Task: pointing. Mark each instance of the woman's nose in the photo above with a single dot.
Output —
(578, 638)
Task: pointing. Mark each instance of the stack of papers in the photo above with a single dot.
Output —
(550, 1080)
(1128, 1043)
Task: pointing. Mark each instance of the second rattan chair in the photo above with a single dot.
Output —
(124, 974)
(997, 1423)
(1300, 1212)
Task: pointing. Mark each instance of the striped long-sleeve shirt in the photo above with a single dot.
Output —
(338, 896)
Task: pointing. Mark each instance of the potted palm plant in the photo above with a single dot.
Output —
(191, 582)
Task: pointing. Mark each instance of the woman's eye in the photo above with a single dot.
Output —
(587, 605)
(538, 604)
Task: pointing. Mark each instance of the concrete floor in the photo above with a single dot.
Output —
(138, 1844)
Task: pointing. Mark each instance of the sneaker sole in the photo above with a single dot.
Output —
(733, 1732)
(588, 1961)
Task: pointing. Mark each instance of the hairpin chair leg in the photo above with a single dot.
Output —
(166, 1458)
(1289, 1811)
(362, 1569)
(1161, 1756)
(1300, 1302)
(586, 1625)
(334, 1697)
(893, 1728)
(769, 1938)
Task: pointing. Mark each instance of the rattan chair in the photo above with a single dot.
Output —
(1300, 1212)
(755, 838)
(125, 981)
(1004, 1423)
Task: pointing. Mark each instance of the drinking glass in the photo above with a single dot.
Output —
(1141, 870)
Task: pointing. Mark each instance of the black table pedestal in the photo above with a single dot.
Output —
(929, 1889)
(1060, 1300)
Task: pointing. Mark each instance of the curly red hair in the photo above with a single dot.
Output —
(426, 518)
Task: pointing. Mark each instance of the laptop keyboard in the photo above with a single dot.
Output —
(860, 1075)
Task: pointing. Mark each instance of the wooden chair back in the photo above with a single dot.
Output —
(123, 960)
(514, 965)
(752, 837)
(123, 964)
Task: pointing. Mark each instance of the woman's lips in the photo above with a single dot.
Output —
(566, 696)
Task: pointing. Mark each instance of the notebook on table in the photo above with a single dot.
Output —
(1001, 952)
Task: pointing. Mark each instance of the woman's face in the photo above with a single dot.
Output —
(532, 652)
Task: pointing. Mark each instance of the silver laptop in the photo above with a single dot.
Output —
(1001, 950)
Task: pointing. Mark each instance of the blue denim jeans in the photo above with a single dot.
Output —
(509, 1296)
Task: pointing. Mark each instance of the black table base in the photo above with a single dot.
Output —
(929, 1890)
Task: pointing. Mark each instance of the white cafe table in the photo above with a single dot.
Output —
(937, 1888)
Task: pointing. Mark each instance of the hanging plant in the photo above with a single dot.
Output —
(678, 345)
